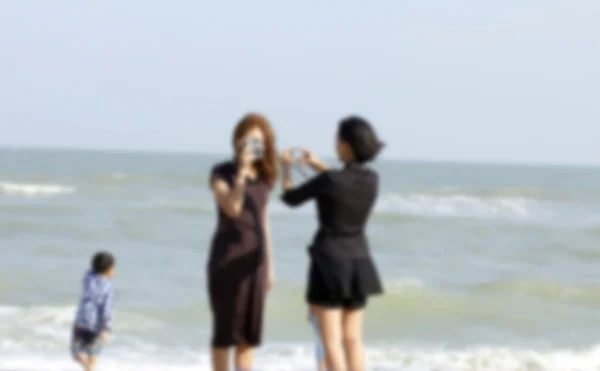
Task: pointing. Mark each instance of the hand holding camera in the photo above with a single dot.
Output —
(287, 158)
(246, 157)
(251, 150)
(307, 157)
(302, 156)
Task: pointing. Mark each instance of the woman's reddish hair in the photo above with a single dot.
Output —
(267, 167)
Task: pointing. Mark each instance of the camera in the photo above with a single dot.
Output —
(256, 147)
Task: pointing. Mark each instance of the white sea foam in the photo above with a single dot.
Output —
(404, 283)
(449, 206)
(119, 176)
(456, 205)
(47, 327)
(32, 189)
(300, 358)
(36, 338)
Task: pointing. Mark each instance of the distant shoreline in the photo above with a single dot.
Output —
(386, 159)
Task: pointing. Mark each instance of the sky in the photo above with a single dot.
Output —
(489, 81)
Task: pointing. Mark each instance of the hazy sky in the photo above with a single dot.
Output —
(511, 81)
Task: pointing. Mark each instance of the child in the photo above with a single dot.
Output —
(94, 314)
(319, 345)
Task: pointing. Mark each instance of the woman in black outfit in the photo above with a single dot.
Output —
(342, 274)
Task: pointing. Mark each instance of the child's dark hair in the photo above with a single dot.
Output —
(102, 262)
(361, 137)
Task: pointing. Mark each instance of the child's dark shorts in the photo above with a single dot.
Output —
(85, 342)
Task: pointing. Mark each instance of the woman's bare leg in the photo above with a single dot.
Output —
(220, 359)
(91, 365)
(82, 359)
(330, 326)
(244, 357)
(352, 328)
(321, 365)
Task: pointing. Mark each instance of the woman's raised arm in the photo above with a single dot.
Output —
(296, 196)
(231, 198)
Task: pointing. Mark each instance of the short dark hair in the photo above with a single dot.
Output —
(102, 262)
(361, 137)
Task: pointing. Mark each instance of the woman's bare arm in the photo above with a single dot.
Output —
(310, 159)
(230, 199)
(268, 248)
(318, 165)
(296, 196)
(286, 178)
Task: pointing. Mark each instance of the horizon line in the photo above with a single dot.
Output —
(384, 159)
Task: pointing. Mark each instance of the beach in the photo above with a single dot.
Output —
(485, 267)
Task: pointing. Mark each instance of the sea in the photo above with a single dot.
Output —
(485, 267)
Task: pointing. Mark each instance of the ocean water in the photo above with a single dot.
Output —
(485, 267)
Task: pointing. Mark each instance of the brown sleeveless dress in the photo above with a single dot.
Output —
(237, 267)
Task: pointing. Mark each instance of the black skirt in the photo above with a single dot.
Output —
(336, 282)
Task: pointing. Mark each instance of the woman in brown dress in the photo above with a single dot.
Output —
(240, 267)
